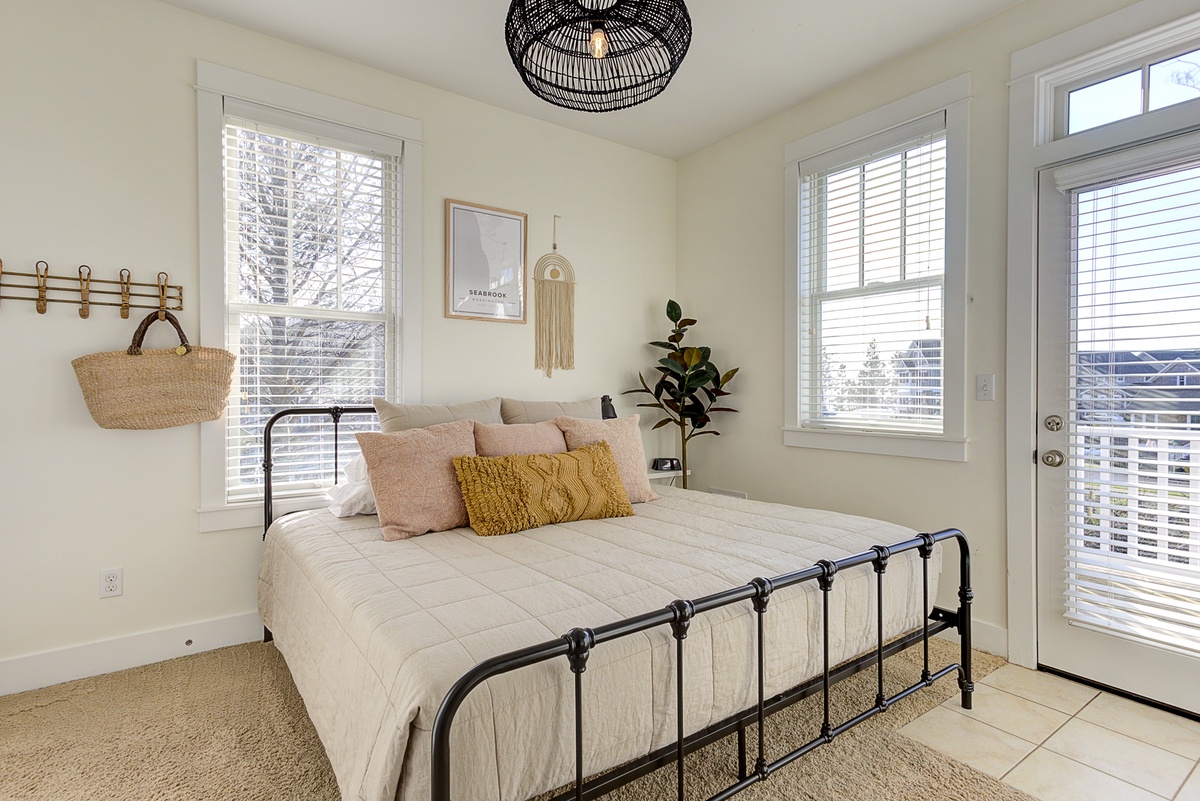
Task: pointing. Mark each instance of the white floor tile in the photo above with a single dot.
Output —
(1050, 777)
(1172, 732)
(1130, 760)
(1043, 688)
(1011, 713)
(967, 740)
(1191, 790)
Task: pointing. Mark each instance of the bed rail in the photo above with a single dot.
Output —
(577, 644)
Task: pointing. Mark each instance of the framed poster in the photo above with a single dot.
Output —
(485, 263)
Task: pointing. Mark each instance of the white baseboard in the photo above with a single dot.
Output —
(984, 636)
(32, 671)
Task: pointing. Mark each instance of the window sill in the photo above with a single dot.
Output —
(250, 514)
(949, 449)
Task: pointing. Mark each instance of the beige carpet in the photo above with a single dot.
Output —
(228, 724)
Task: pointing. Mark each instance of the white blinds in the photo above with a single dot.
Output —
(1133, 541)
(872, 254)
(312, 255)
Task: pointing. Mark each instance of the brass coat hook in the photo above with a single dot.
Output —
(85, 288)
(42, 275)
(163, 278)
(126, 280)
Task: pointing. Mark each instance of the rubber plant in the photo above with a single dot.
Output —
(688, 388)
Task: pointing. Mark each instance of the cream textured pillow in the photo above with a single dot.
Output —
(403, 416)
(625, 439)
(519, 411)
(512, 493)
(519, 438)
(412, 476)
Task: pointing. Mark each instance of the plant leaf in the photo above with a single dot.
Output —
(675, 338)
(663, 345)
(685, 322)
(661, 423)
(673, 311)
(722, 409)
(672, 365)
(692, 356)
(725, 379)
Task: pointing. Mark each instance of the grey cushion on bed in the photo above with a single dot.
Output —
(518, 411)
(403, 416)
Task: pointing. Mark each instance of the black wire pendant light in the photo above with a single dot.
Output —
(597, 55)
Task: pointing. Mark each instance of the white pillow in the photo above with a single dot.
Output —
(353, 496)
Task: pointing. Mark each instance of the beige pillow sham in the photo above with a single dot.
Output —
(404, 416)
(519, 411)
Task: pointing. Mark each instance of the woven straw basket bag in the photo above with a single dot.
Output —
(137, 388)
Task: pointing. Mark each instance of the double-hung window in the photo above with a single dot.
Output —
(307, 287)
(878, 278)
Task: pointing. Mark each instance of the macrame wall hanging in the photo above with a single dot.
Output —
(554, 302)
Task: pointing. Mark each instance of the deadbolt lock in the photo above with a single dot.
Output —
(1054, 423)
(1053, 458)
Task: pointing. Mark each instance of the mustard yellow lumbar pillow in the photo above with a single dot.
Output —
(505, 494)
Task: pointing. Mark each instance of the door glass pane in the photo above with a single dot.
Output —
(1175, 81)
(1104, 102)
(1133, 538)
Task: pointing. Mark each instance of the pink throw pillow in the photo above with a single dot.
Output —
(625, 439)
(412, 476)
(521, 439)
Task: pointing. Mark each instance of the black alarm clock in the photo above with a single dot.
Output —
(666, 463)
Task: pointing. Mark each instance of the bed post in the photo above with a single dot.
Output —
(966, 595)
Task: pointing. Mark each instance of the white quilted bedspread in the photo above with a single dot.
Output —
(375, 632)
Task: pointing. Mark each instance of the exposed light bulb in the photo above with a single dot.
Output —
(599, 42)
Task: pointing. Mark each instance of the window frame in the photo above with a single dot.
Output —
(892, 124)
(312, 113)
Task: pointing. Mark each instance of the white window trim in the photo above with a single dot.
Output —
(214, 84)
(953, 98)
(1037, 73)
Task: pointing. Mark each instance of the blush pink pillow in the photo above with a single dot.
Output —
(519, 439)
(412, 476)
(624, 438)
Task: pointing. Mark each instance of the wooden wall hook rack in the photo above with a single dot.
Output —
(84, 291)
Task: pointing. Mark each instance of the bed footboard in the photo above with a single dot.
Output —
(577, 644)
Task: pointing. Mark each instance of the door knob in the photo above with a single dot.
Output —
(1053, 458)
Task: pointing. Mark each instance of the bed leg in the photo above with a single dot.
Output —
(741, 746)
(966, 595)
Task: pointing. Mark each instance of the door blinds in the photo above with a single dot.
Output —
(1133, 539)
(312, 263)
(872, 259)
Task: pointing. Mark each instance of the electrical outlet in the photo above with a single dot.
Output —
(112, 582)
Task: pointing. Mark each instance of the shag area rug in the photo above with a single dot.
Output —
(229, 724)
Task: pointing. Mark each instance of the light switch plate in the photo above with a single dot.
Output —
(985, 387)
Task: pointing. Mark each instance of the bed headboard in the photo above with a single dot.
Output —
(335, 414)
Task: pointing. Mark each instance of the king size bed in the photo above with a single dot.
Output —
(456, 660)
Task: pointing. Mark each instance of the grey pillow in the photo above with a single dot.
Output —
(395, 417)
(518, 411)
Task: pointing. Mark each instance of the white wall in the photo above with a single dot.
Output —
(731, 251)
(98, 166)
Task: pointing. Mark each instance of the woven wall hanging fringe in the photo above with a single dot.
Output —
(554, 304)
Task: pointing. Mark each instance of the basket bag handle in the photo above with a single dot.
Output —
(135, 348)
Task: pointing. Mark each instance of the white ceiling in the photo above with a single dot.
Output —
(749, 59)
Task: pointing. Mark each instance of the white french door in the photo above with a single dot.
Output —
(1119, 420)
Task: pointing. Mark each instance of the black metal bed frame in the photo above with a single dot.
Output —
(577, 645)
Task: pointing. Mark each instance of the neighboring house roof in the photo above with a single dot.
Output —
(1147, 382)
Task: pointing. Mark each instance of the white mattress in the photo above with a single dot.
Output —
(376, 632)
